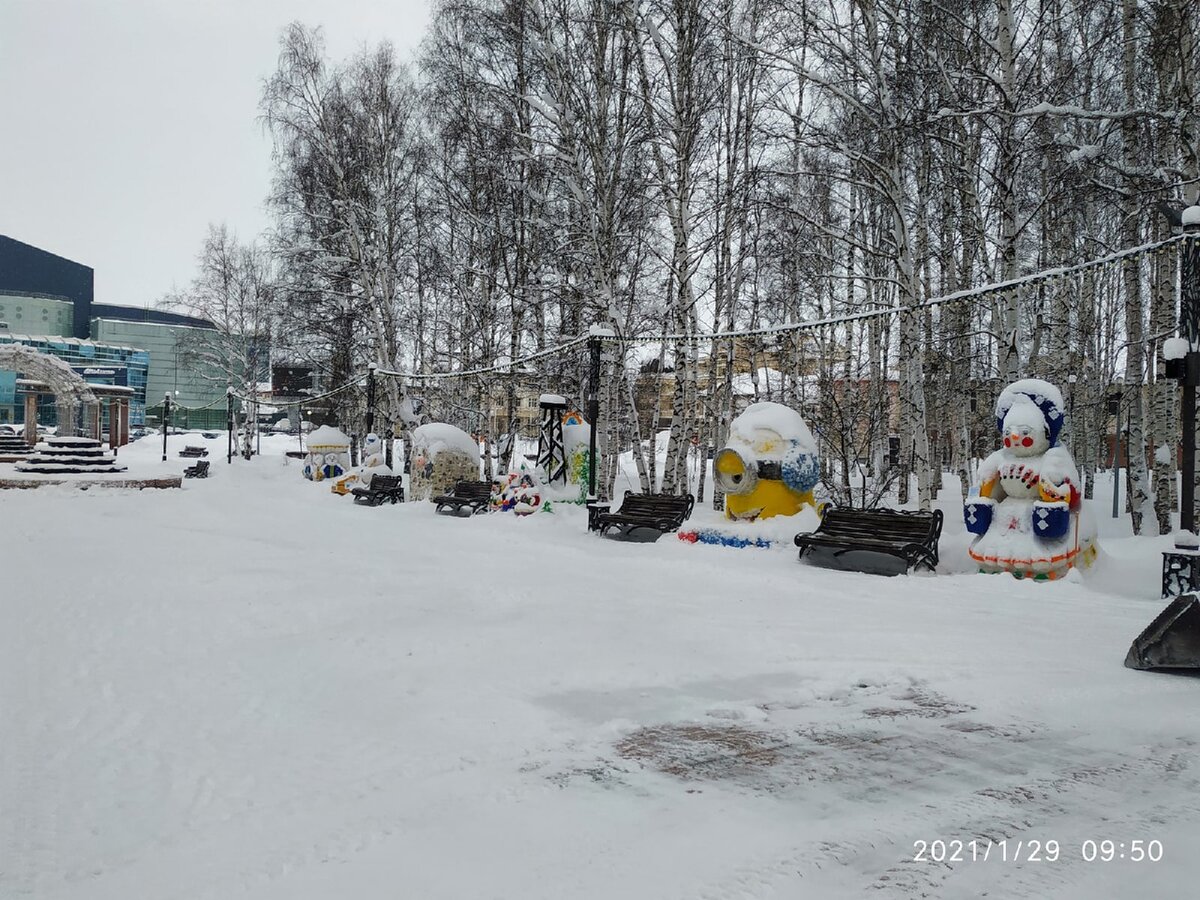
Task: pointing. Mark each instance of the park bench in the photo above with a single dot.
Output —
(193, 452)
(861, 540)
(199, 470)
(642, 517)
(470, 495)
(381, 489)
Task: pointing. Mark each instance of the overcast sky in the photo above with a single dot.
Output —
(126, 126)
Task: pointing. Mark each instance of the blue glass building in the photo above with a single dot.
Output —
(95, 363)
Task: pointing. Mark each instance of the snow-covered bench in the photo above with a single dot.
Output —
(854, 539)
(382, 489)
(199, 470)
(193, 452)
(473, 496)
(642, 517)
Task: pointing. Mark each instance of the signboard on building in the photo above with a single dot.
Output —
(102, 374)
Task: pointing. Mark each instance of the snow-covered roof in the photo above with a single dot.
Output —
(328, 436)
(66, 339)
(435, 437)
(552, 400)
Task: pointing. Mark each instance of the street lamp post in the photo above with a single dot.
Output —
(166, 423)
(1182, 358)
(1114, 410)
(1189, 371)
(229, 424)
(1071, 381)
(370, 398)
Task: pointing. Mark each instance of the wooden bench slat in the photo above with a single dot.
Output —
(661, 512)
(381, 489)
(476, 495)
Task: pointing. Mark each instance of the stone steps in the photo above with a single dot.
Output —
(70, 455)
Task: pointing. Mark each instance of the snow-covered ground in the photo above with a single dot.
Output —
(250, 687)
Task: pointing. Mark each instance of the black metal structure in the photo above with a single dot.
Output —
(1189, 320)
(593, 411)
(166, 423)
(1172, 640)
(878, 541)
(229, 424)
(552, 453)
(371, 398)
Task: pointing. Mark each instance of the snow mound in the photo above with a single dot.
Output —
(746, 430)
(1175, 348)
(430, 440)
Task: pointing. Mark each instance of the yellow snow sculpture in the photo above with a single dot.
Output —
(768, 467)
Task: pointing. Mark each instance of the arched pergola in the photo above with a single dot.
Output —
(70, 391)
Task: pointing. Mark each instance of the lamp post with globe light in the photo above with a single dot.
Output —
(1182, 356)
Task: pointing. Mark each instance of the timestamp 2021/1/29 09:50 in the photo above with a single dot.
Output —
(985, 850)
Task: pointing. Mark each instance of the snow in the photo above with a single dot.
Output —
(743, 382)
(435, 437)
(1186, 540)
(768, 416)
(291, 696)
(576, 437)
(1031, 387)
(552, 400)
(328, 436)
(1163, 455)
(1191, 216)
(1175, 348)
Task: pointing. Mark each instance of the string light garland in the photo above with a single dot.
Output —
(1002, 289)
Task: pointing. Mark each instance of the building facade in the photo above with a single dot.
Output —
(44, 297)
(96, 363)
(24, 313)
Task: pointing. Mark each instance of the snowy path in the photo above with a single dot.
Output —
(252, 688)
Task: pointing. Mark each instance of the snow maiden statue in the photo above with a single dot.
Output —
(1028, 515)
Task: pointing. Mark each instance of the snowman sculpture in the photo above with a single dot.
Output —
(1028, 516)
(373, 463)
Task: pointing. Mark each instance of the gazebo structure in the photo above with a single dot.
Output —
(78, 403)
(114, 397)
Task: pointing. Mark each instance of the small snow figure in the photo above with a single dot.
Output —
(1028, 515)
(328, 454)
(373, 464)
